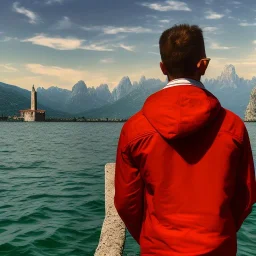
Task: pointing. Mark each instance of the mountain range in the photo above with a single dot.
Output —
(125, 100)
(14, 98)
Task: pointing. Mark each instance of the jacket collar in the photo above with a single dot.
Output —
(184, 81)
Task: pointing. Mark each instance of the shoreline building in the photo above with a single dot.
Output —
(33, 114)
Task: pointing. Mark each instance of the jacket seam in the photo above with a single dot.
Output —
(137, 137)
(234, 136)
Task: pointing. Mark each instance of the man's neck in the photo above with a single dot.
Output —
(196, 78)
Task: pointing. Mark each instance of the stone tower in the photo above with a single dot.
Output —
(33, 114)
(33, 99)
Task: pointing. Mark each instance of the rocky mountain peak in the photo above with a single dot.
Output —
(103, 87)
(229, 75)
(123, 88)
(79, 88)
(142, 80)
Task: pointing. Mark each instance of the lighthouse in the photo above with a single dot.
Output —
(33, 114)
(33, 99)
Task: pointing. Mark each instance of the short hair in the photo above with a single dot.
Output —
(181, 47)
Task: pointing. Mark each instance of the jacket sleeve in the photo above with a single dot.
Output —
(245, 194)
(129, 189)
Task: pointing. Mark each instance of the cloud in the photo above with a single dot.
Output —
(216, 46)
(7, 68)
(246, 24)
(59, 43)
(127, 47)
(116, 30)
(107, 61)
(7, 39)
(64, 23)
(209, 1)
(50, 2)
(227, 11)
(62, 76)
(96, 47)
(111, 30)
(210, 29)
(164, 21)
(155, 53)
(150, 16)
(236, 2)
(210, 15)
(33, 17)
(168, 6)
(53, 71)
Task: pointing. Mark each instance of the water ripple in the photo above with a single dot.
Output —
(52, 189)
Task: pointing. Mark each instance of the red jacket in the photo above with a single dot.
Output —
(185, 179)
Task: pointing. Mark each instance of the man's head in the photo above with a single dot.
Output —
(182, 52)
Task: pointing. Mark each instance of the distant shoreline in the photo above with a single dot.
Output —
(69, 120)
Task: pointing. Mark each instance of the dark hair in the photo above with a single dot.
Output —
(181, 47)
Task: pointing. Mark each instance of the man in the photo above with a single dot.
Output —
(185, 179)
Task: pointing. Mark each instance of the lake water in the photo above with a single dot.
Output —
(52, 189)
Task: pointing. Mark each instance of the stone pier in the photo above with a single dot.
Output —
(112, 236)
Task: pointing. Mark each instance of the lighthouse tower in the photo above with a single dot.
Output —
(33, 114)
(33, 99)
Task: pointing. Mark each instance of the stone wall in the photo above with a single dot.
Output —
(29, 116)
(113, 229)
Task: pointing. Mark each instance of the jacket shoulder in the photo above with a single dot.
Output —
(233, 125)
(137, 126)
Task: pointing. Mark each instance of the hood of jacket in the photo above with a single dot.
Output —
(180, 111)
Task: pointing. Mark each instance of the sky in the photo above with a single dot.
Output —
(59, 42)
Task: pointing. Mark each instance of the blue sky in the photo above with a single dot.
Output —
(58, 42)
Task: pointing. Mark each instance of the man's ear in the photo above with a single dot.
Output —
(163, 68)
(202, 66)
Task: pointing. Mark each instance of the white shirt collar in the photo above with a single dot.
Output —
(184, 81)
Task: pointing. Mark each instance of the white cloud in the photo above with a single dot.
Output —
(236, 2)
(210, 29)
(53, 71)
(64, 23)
(127, 47)
(228, 11)
(111, 30)
(107, 61)
(168, 6)
(116, 30)
(96, 47)
(164, 21)
(155, 53)
(49, 2)
(246, 24)
(49, 75)
(59, 43)
(32, 16)
(210, 15)
(7, 68)
(208, 1)
(216, 46)
(7, 39)
(150, 16)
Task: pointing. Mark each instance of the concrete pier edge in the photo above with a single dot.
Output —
(112, 236)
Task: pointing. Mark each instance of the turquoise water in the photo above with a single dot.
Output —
(52, 188)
